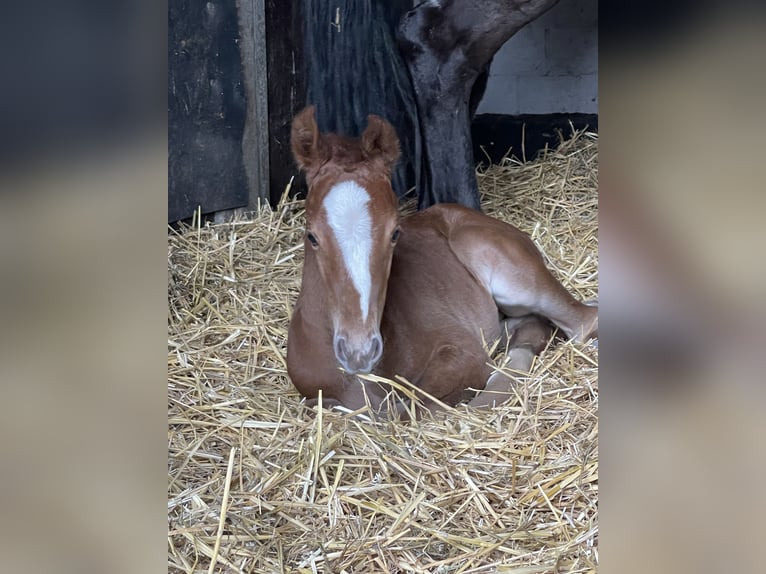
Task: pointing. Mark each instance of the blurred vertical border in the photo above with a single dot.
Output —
(682, 278)
(83, 174)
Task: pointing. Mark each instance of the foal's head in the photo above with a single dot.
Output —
(351, 229)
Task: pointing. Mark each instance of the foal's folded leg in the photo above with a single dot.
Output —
(528, 336)
(451, 370)
(517, 278)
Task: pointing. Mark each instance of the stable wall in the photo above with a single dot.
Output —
(549, 66)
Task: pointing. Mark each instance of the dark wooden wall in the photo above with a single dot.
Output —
(206, 108)
(235, 81)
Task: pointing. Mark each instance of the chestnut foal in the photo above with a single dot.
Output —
(418, 297)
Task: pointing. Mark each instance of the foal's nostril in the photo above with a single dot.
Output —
(360, 359)
(340, 351)
(376, 349)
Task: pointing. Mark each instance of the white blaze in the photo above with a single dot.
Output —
(349, 218)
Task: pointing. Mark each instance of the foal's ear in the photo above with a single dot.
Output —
(379, 140)
(306, 141)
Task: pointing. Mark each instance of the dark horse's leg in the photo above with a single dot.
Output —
(446, 44)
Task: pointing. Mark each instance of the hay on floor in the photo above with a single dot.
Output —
(256, 484)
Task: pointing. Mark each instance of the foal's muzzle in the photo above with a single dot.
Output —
(358, 358)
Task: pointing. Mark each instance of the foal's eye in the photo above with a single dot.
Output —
(395, 236)
(312, 239)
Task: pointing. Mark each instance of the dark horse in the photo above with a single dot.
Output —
(424, 70)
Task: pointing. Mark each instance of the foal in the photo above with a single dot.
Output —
(417, 297)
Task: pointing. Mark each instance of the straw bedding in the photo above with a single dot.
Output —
(259, 484)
